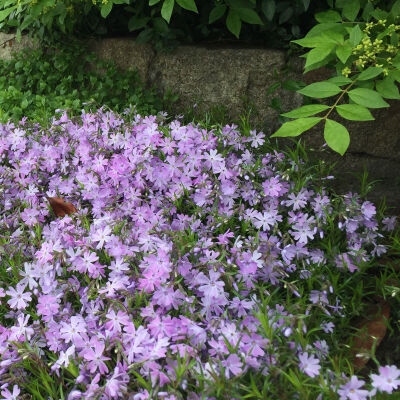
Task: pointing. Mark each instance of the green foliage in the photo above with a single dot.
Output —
(361, 42)
(37, 82)
(163, 22)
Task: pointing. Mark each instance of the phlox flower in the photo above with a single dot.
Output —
(272, 187)
(389, 223)
(95, 356)
(309, 364)
(63, 360)
(21, 331)
(19, 299)
(116, 384)
(29, 216)
(73, 330)
(116, 320)
(298, 200)
(211, 287)
(352, 390)
(233, 366)
(47, 306)
(266, 220)
(101, 235)
(7, 395)
(368, 209)
(257, 139)
(387, 380)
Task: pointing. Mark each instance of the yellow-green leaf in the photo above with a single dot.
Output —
(336, 136)
(306, 111)
(367, 98)
(296, 127)
(354, 112)
(320, 90)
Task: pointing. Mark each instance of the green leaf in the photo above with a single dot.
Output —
(106, 9)
(153, 2)
(328, 16)
(216, 13)
(5, 13)
(268, 8)
(320, 90)
(379, 14)
(367, 97)
(367, 10)
(394, 39)
(188, 5)
(369, 73)
(395, 74)
(320, 40)
(344, 52)
(328, 28)
(233, 22)
(248, 15)
(356, 35)
(336, 136)
(396, 61)
(285, 15)
(395, 11)
(351, 9)
(306, 111)
(136, 23)
(296, 127)
(166, 9)
(318, 54)
(388, 89)
(354, 112)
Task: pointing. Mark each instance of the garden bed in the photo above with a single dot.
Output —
(192, 262)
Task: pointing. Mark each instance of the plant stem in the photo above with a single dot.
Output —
(339, 98)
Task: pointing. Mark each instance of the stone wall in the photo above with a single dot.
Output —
(232, 77)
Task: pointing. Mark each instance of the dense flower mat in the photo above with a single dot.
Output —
(170, 279)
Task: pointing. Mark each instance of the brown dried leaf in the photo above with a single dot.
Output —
(60, 207)
(371, 330)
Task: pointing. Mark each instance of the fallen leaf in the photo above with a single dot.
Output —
(371, 331)
(60, 207)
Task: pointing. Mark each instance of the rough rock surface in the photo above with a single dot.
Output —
(233, 77)
(9, 44)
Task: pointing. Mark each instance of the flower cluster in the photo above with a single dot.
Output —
(158, 283)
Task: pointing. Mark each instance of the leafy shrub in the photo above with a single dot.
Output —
(37, 82)
(366, 57)
(167, 21)
(201, 263)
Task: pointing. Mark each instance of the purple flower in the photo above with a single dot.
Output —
(233, 366)
(309, 364)
(19, 299)
(389, 223)
(7, 395)
(95, 356)
(351, 390)
(387, 380)
(368, 209)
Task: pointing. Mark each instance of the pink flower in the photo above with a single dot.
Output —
(232, 365)
(7, 395)
(351, 390)
(115, 320)
(309, 364)
(19, 299)
(387, 380)
(47, 306)
(211, 287)
(95, 356)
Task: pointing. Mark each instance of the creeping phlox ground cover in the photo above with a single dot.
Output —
(194, 268)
